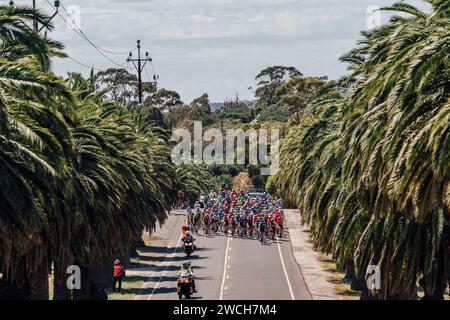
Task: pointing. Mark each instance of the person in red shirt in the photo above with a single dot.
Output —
(119, 272)
(184, 229)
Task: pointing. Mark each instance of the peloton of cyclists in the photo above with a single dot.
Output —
(245, 214)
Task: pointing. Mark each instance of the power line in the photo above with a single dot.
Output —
(84, 65)
(148, 76)
(139, 68)
(83, 36)
(153, 68)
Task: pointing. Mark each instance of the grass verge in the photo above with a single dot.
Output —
(341, 285)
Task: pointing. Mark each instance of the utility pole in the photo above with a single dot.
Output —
(141, 62)
(35, 24)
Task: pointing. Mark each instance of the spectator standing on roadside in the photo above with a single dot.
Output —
(119, 272)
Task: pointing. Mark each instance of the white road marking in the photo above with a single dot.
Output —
(222, 287)
(165, 269)
(284, 269)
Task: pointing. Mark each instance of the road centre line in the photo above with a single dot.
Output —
(225, 266)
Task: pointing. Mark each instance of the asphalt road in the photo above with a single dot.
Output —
(229, 268)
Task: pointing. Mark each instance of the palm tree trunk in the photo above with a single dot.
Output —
(11, 289)
(60, 290)
(437, 294)
(85, 292)
(39, 282)
(97, 279)
(405, 292)
(439, 290)
(441, 282)
(108, 272)
(356, 284)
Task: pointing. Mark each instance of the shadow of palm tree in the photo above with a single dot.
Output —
(204, 278)
(149, 290)
(157, 249)
(170, 267)
(161, 279)
(162, 290)
(171, 259)
(159, 268)
(134, 278)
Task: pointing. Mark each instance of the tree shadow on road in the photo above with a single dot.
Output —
(161, 279)
(162, 268)
(204, 278)
(150, 290)
(157, 249)
(170, 259)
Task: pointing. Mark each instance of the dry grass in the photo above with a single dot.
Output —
(341, 286)
(130, 287)
(148, 239)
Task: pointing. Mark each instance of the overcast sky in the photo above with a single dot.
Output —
(214, 46)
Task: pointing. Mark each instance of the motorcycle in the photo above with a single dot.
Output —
(184, 287)
(188, 248)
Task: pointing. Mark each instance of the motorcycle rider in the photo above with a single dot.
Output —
(188, 238)
(187, 272)
(184, 230)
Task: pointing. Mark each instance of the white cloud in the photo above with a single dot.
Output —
(217, 46)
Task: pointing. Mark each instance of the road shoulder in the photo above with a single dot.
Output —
(158, 246)
(317, 278)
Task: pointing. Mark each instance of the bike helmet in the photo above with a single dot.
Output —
(186, 264)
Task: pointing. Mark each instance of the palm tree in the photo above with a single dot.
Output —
(121, 171)
(372, 178)
(63, 179)
(193, 179)
(32, 152)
